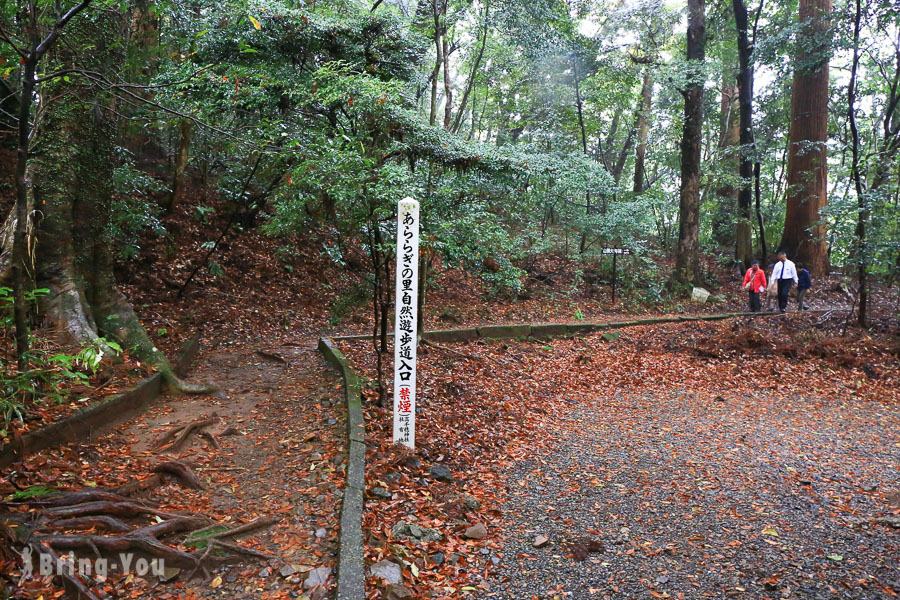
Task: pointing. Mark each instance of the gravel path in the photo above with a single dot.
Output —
(768, 497)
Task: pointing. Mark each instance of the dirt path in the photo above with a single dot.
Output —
(283, 458)
(769, 496)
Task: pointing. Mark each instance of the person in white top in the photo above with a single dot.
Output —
(785, 274)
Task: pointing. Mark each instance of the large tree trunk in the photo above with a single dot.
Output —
(743, 248)
(643, 128)
(804, 235)
(462, 105)
(863, 209)
(687, 263)
(448, 88)
(181, 161)
(71, 175)
(723, 228)
(438, 60)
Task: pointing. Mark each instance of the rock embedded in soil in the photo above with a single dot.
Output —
(287, 570)
(469, 503)
(388, 571)
(169, 573)
(441, 473)
(540, 541)
(476, 532)
(317, 577)
(380, 492)
(397, 592)
(417, 532)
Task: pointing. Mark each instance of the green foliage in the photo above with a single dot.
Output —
(133, 214)
(49, 374)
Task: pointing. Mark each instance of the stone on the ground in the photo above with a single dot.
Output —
(287, 570)
(397, 592)
(452, 315)
(169, 573)
(441, 473)
(317, 577)
(438, 558)
(265, 572)
(889, 521)
(469, 503)
(388, 571)
(380, 492)
(476, 532)
(699, 295)
(540, 541)
(413, 531)
(320, 532)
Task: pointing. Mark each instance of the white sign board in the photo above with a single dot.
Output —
(616, 251)
(405, 318)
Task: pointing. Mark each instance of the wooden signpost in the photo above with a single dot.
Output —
(405, 318)
(615, 252)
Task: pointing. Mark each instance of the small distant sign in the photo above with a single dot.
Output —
(616, 251)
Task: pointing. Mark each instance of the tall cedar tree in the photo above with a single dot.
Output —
(804, 235)
(687, 264)
(743, 242)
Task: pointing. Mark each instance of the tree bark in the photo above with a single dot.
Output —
(804, 235)
(862, 207)
(743, 230)
(438, 61)
(448, 88)
(465, 99)
(687, 263)
(723, 220)
(71, 177)
(181, 161)
(643, 128)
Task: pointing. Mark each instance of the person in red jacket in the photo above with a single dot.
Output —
(755, 283)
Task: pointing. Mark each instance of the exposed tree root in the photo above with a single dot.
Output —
(211, 439)
(175, 437)
(116, 525)
(180, 472)
(75, 588)
(100, 522)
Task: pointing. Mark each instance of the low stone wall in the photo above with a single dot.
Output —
(351, 577)
(82, 424)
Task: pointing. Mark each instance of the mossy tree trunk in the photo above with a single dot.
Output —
(71, 180)
(687, 260)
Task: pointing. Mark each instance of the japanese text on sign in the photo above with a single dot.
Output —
(405, 316)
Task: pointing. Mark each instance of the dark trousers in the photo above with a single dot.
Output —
(755, 305)
(784, 290)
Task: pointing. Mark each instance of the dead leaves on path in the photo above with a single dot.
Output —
(489, 405)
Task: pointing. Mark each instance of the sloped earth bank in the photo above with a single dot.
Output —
(280, 423)
(675, 449)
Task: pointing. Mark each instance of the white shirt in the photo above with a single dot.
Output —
(784, 270)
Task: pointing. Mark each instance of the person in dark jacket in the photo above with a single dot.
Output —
(804, 282)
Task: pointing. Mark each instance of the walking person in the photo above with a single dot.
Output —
(755, 284)
(785, 273)
(804, 282)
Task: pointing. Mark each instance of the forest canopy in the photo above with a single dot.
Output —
(525, 129)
